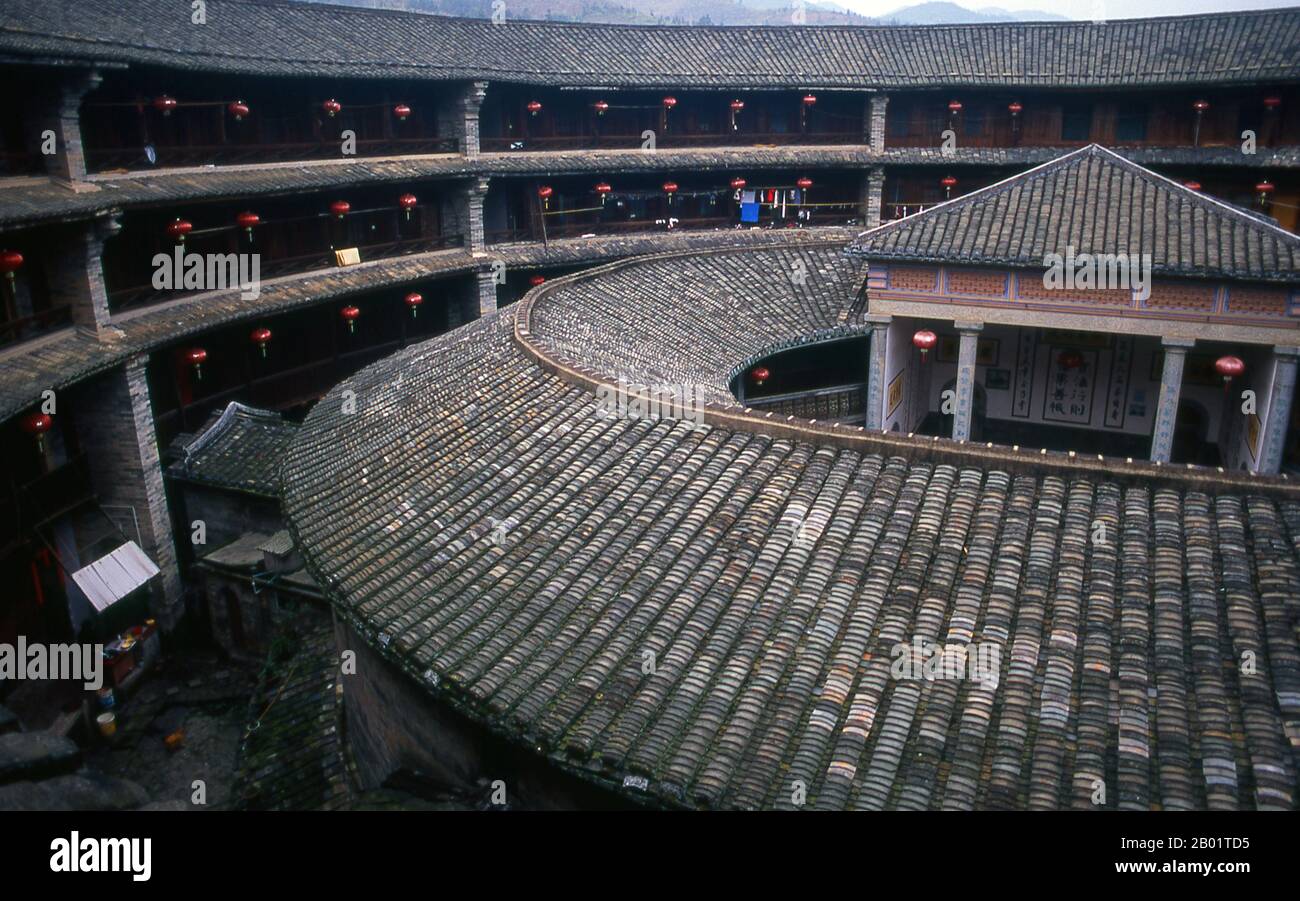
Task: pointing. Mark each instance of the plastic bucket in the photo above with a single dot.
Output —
(107, 724)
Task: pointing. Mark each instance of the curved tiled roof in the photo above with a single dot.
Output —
(704, 615)
(314, 39)
(1096, 202)
(240, 449)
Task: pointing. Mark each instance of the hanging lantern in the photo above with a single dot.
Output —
(1230, 368)
(1272, 102)
(413, 301)
(924, 341)
(545, 192)
(736, 106)
(340, 208)
(10, 262)
(738, 184)
(350, 315)
(179, 228)
(808, 102)
(195, 356)
(603, 189)
(670, 102)
(601, 107)
(238, 109)
(247, 221)
(261, 337)
(1200, 106)
(670, 188)
(402, 112)
(537, 280)
(1263, 189)
(760, 375)
(534, 107)
(36, 425)
(1070, 359)
(804, 183)
(949, 182)
(809, 99)
(954, 107)
(1015, 107)
(165, 104)
(407, 202)
(332, 107)
(1192, 185)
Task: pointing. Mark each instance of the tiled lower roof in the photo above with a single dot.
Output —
(240, 449)
(706, 616)
(312, 39)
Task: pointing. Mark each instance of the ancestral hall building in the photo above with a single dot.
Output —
(432, 240)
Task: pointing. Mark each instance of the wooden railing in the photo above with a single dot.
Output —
(25, 328)
(669, 139)
(822, 404)
(233, 154)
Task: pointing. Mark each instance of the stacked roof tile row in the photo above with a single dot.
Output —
(710, 617)
(316, 39)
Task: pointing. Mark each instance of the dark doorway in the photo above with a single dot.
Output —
(1191, 431)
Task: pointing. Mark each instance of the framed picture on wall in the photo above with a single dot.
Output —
(1252, 435)
(998, 380)
(895, 393)
(986, 350)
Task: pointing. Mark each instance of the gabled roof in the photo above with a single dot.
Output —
(241, 450)
(312, 39)
(1097, 202)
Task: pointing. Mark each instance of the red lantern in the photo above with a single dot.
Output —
(238, 109)
(261, 337)
(1070, 359)
(738, 184)
(1192, 185)
(949, 182)
(179, 228)
(601, 107)
(924, 341)
(407, 202)
(1015, 108)
(1263, 189)
(545, 192)
(36, 425)
(332, 107)
(670, 102)
(1200, 105)
(603, 189)
(804, 183)
(954, 106)
(402, 112)
(1272, 102)
(670, 188)
(10, 262)
(247, 221)
(340, 208)
(809, 99)
(350, 315)
(760, 375)
(195, 356)
(1229, 367)
(737, 105)
(534, 107)
(413, 301)
(537, 280)
(165, 104)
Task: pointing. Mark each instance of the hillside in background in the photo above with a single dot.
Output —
(703, 12)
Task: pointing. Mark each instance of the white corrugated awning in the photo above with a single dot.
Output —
(115, 575)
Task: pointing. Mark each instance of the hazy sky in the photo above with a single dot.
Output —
(1084, 9)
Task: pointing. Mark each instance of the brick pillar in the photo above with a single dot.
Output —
(76, 278)
(462, 213)
(872, 197)
(875, 400)
(487, 293)
(458, 116)
(961, 420)
(60, 112)
(115, 420)
(1171, 384)
(876, 124)
(1279, 409)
